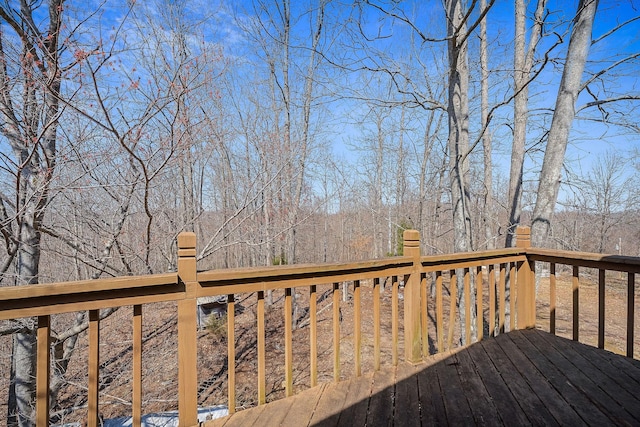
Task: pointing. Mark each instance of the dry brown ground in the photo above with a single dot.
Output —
(160, 356)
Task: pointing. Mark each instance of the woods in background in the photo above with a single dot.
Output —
(287, 132)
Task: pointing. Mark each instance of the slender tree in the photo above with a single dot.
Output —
(522, 75)
(30, 81)
(564, 113)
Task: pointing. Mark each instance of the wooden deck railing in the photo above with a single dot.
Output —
(625, 265)
(424, 284)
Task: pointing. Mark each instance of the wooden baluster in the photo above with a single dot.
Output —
(480, 308)
(513, 294)
(288, 342)
(492, 300)
(231, 352)
(576, 302)
(357, 329)
(313, 334)
(439, 312)
(337, 318)
(394, 320)
(262, 384)
(467, 306)
(601, 306)
(631, 281)
(424, 316)
(94, 368)
(502, 299)
(552, 298)
(137, 366)
(43, 355)
(453, 294)
(376, 324)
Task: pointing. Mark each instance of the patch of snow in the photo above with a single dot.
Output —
(168, 419)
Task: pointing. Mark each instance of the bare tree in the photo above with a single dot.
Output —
(487, 147)
(30, 81)
(522, 75)
(606, 197)
(563, 116)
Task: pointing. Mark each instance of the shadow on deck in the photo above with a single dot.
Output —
(519, 378)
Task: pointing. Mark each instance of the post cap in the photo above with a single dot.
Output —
(411, 238)
(523, 236)
(186, 240)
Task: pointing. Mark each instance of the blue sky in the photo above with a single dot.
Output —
(590, 139)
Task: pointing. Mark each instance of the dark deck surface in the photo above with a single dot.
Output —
(520, 378)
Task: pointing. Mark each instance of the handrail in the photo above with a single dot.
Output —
(65, 297)
(503, 277)
(586, 259)
(221, 282)
(603, 263)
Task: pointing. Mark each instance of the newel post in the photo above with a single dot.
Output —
(526, 288)
(412, 325)
(187, 331)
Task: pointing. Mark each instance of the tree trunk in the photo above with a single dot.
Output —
(458, 142)
(521, 75)
(31, 129)
(458, 112)
(563, 116)
(487, 217)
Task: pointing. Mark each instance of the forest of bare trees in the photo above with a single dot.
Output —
(313, 131)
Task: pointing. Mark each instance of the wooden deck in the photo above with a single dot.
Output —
(520, 378)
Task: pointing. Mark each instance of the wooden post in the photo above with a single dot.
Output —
(337, 318)
(525, 281)
(231, 352)
(94, 369)
(412, 321)
(136, 398)
(357, 328)
(187, 331)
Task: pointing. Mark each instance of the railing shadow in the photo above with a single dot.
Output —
(517, 378)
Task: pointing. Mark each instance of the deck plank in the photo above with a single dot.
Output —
(480, 401)
(453, 395)
(535, 350)
(554, 402)
(518, 378)
(625, 370)
(407, 403)
(506, 404)
(380, 412)
(303, 406)
(530, 403)
(273, 413)
(623, 406)
(584, 382)
(429, 389)
(246, 417)
(330, 404)
(357, 402)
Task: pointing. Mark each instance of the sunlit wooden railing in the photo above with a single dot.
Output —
(427, 294)
(580, 261)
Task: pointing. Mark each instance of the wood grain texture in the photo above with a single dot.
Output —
(43, 340)
(524, 377)
(94, 367)
(136, 395)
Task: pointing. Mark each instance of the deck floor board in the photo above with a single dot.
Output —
(561, 380)
(559, 408)
(519, 378)
(504, 400)
(480, 401)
